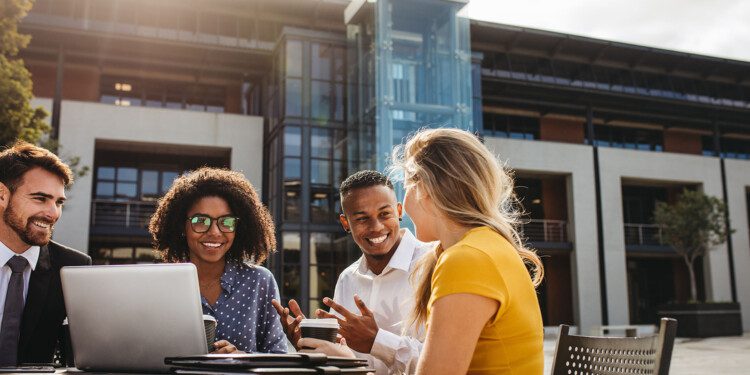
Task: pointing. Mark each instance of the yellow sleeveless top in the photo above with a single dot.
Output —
(486, 264)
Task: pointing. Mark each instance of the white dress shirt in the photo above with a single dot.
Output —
(390, 296)
(31, 255)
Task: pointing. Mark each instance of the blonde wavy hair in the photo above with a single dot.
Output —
(469, 186)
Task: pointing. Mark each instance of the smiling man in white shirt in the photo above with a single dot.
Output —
(373, 297)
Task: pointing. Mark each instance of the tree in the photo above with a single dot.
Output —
(692, 225)
(18, 120)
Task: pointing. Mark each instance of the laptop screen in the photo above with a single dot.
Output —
(130, 317)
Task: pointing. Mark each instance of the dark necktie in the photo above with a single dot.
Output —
(11, 326)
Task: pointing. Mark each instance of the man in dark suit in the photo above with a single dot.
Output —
(32, 192)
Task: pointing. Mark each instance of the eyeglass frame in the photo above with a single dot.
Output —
(212, 221)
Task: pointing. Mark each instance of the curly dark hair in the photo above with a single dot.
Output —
(255, 234)
(363, 179)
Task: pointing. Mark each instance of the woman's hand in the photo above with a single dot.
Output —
(225, 347)
(339, 349)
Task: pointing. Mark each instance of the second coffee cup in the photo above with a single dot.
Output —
(323, 329)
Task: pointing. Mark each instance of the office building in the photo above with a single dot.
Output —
(298, 94)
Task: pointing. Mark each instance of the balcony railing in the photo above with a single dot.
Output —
(643, 234)
(126, 214)
(545, 230)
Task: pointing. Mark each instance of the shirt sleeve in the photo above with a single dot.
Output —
(399, 354)
(467, 269)
(272, 338)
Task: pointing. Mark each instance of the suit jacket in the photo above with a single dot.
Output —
(44, 312)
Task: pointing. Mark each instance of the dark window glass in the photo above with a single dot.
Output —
(293, 97)
(127, 189)
(321, 61)
(292, 141)
(105, 189)
(127, 174)
(294, 58)
(320, 143)
(106, 173)
(290, 288)
(320, 97)
(150, 184)
(320, 209)
(292, 204)
(320, 171)
(509, 126)
(291, 247)
(628, 138)
(292, 169)
(167, 178)
(339, 64)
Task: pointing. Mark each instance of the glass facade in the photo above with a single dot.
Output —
(307, 147)
(413, 69)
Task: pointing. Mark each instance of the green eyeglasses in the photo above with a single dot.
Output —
(202, 223)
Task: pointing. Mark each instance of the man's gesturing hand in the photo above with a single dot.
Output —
(358, 330)
(288, 323)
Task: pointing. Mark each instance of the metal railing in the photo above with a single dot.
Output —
(643, 234)
(545, 230)
(126, 214)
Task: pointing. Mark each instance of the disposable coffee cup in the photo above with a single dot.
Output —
(209, 324)
(323, 329)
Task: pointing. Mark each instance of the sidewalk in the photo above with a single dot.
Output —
(718, 355)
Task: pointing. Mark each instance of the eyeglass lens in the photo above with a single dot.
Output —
(201, 224)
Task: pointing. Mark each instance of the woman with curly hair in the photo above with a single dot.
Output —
(214, 219)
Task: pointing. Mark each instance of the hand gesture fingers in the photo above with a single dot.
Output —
(295, 309)
(338, 308)
(289, 324)
(362, 307)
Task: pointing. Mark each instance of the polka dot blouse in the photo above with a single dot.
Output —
(244, 312)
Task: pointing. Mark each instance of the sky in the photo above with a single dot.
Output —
(719, 28)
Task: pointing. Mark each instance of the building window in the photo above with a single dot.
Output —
(130, 183)
(290, 254)
(630, 138)
(328, 258)
(109, 254)
(130, 92)
(732, 148)
(510, 126)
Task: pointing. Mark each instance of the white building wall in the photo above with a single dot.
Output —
(738, 182)
(82, 123)
(577, 163)
(618, 164)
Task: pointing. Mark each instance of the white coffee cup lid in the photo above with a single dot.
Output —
(208, 317)
(320, 323)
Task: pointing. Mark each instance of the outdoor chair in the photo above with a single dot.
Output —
(585, 355)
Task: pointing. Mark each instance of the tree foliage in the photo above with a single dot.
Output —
(692, 225)
(18, 120)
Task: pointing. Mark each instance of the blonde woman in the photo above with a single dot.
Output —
(476, 293)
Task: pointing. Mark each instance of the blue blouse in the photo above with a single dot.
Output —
(244, 312)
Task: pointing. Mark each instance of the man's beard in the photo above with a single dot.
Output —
(25, 232)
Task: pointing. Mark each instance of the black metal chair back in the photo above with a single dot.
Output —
(585, 355)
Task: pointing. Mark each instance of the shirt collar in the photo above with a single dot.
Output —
(231, 271)
(31, 255)
(401, 258)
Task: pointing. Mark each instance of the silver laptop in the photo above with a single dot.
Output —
(129, 317)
